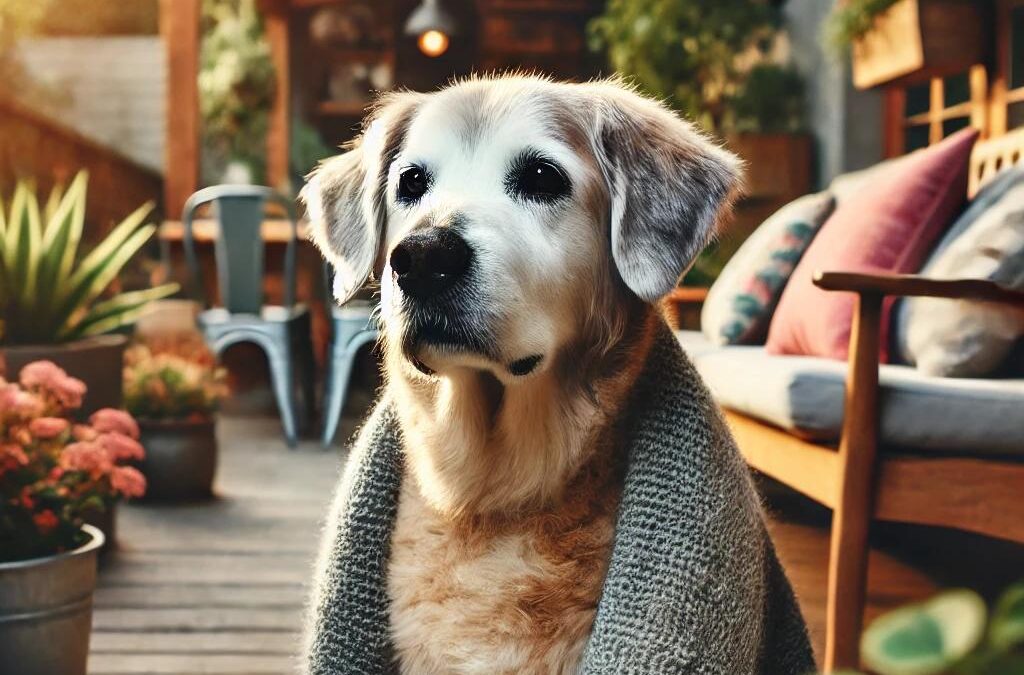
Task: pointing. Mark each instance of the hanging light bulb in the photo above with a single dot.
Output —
(432, 26)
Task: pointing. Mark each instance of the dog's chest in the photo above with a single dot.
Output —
(499, 597)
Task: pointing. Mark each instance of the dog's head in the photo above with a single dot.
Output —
(509, 219)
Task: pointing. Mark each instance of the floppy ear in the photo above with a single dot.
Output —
(345, 196)
(668, 187)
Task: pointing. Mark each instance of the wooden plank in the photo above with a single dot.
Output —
(809, 468)
(200, 596)
(229, 642)
(179, 25)
(144, 568)
(188, 620)
(190, 664)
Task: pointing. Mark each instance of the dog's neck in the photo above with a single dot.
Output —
(476, 447)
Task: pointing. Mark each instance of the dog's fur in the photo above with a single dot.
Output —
(506, 516)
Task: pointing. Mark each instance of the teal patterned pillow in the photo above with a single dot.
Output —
(739, 306)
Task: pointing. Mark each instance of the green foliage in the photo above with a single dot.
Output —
(691, 53)
(852, 20)
(46, 294)
(951, 633)
(771, 100)
(236, 84)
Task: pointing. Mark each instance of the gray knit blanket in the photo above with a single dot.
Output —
(693, 585)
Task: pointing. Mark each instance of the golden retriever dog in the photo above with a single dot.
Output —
(522, 232)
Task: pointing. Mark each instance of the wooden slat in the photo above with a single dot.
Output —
(191, 568)
(168, 596)
(809, 468)
(276, 23)
(237, 642)
(190, 664)
(188, 620)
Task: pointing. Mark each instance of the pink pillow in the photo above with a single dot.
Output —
(888, 225)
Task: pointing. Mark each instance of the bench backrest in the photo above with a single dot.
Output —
(991, 156)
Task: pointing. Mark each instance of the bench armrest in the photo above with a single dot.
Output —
(910, 284)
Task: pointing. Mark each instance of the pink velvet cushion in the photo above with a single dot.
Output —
(889, 225)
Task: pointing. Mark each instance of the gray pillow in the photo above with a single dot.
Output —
(739, 305)
(954, 338)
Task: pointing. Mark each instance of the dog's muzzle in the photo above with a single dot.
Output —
(429, 262)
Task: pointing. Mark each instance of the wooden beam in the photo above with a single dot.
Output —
(276, 26)
(179, 25)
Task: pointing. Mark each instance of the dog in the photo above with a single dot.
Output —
(523, 232)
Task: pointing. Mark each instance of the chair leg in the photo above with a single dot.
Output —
(284, 388)
(335, 394)
(851, 519)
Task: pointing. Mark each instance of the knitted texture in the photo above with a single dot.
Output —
(693, 585)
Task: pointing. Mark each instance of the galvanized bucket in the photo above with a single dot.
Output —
(46, 611)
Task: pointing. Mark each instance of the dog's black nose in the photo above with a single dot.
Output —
(428, 262)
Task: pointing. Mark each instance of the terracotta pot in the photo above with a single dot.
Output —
(181, 458)
(97, 361)
(46, 611)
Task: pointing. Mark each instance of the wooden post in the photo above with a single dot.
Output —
(179, 25)
(276, 26)
(848, 554)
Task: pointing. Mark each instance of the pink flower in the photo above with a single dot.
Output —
(128, 481)
(109, 419)
(48, 377)
(20, 403)
(86, 456)
(48, 427)
(83, 432)
(121, 448)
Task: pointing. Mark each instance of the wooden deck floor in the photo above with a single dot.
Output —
(218, 587)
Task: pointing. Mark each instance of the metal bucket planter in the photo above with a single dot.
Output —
(106, 522)
(46, 611)
(97, 361)
(181, 458)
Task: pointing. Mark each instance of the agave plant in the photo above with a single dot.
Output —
(47, 293)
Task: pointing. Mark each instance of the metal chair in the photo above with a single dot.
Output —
(283, 332)
(352, 327)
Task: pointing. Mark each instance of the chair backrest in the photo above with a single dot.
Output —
(239, 245)
(991, 156)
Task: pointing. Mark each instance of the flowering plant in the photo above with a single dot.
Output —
(173, 378)
(53, 472)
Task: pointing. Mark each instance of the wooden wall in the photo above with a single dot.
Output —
(32, 146)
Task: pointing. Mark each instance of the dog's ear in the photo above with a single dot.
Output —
(668, 187)
(345, 196)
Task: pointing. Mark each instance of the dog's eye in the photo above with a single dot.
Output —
(540, 180)
(412, 184)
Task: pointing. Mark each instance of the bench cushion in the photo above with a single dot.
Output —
(919, 412)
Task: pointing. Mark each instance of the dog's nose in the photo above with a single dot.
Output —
(428, 262)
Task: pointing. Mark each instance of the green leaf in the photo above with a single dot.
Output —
(1007, 629)
(63, 227)
(90, 280)
(117, 311)
(926, 638)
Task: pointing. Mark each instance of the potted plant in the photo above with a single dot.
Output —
(173, 386)
(52, 473)
(952, 633)
(52, 301)
(909, 40)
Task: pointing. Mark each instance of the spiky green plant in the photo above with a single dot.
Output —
(47, 293)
